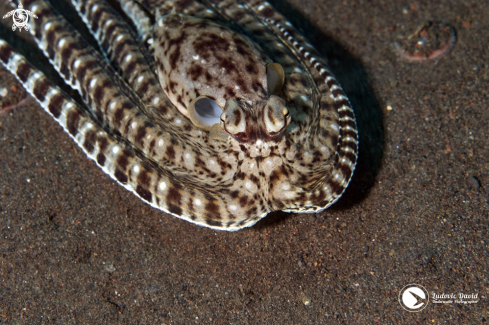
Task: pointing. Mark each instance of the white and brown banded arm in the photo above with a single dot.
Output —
(194, 8)
(81, 67)
(65, 47)
(118, 159)
(120, 45)
(142, 20)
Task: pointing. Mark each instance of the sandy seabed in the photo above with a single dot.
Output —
(76, 248)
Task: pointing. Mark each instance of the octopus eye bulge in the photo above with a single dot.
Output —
(234, 119)
(204, 113)
(275, 114)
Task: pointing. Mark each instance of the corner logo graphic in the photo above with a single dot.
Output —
(20, 17)
(414, 298)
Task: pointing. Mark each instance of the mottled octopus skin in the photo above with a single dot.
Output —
(196, 57)
(137, 136)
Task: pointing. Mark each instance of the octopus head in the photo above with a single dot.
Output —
(242, 119)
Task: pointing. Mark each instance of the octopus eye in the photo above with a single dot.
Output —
(233, 119)
(204, 112)
(275, 78)
(275, 115)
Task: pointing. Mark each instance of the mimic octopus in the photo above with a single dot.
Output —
(216, 112)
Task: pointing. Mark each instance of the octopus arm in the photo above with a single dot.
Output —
(111, 101)
(121, 161)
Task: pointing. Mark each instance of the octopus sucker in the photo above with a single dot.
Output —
(216, 112)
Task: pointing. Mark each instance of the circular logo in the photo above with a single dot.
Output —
(414, 298)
